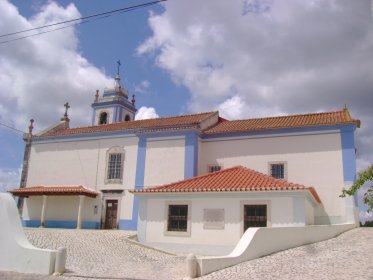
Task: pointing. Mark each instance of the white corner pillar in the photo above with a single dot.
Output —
(80, 210)
(43, 211)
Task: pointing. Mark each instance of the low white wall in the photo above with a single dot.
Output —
(258, 242)
(17, 253)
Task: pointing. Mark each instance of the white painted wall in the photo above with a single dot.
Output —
(17, 253)
(164, 161)
(259, 242)
(81, 162)
(312, 160)
(152, 227)
(61, 208)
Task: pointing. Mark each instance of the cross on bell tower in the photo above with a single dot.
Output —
(113, 105)
(67, 106)
(65, 117)
(119, 64)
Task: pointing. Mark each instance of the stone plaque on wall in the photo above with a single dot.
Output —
(213, 219)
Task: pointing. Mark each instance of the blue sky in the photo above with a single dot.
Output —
(245, 58)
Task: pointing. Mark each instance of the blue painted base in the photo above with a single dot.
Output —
(128, 224)
(61, 224)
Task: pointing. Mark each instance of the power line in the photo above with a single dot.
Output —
(82, 19)
(12, 128)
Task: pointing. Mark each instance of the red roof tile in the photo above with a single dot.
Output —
(54, 190)
(235, 179)
(165, 122)
(292, 121)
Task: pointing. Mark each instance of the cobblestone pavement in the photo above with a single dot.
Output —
(109, 255)
(349, 256)
(103, 254)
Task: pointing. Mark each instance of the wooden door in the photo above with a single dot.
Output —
(111, 214)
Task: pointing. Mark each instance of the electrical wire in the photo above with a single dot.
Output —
(82, 19)
(12, 128)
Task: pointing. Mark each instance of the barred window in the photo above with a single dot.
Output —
(278, 170)
(115, 166)
(177, 218)
(213, 168)
(255, 216)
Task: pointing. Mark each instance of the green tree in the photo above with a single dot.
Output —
(364, 176)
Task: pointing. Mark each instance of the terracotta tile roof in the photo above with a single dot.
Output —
(175, 122)
(292, 121)
(235, 179)
(54, 190)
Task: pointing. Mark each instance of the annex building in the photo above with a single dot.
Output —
(189, 179)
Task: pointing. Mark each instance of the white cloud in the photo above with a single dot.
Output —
(281, 57)
(9, 178)
(232, 108)
(39, 74)
(142, 87)
(146, 113)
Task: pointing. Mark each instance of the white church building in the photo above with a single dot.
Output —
(188, 179)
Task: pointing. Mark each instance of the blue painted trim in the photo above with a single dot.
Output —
(248, 137)
(120, 114)
(128, 224)
(61, 224)
(93, 116)
(86, 135)
(189, 131)
(348, 154)
(132, 224)
(115, 114)
(124, 103)
(139, 184)
(140, 163)
(277, 131)
(191, 156)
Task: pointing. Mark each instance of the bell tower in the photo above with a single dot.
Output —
(114, 105)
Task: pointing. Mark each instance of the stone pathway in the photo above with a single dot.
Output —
(109, 255)
(104, 254)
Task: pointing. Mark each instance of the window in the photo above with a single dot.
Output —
(177, 218)
(115, 161)
(255, 216)
(277, 170)
(115, 166)
(103, 118)
(214, 168)
(127, 118)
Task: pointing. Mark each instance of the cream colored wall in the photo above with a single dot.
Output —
(153, 216)
(310, 213)
(312, 160)
(164, 161)
(61, 208)
(84, 162)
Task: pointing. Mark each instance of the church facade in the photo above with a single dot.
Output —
(184, 175)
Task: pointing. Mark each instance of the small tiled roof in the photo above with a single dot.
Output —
(162, 123)
(53, 190)
(292, 121)
(235, 179)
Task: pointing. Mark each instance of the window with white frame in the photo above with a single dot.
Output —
(115, 166)
(277, 170)
(213, 168)
(177, 218)
(115, 161)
